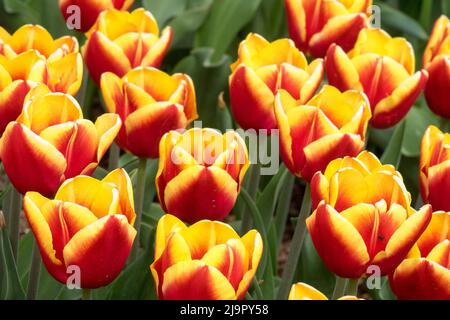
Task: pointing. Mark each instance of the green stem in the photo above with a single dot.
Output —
(444, 125)
(284, 204)
(253, 184)
(139, 205)
(15, 206)
(114, 155)
(296, 246)
(425, 14)
(33, 277)
(88, 97)
(339, 287)
(87, 294)
(352, 287)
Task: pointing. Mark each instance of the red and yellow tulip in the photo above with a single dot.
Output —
(88, 225)
(51, 142)
(303, 291)
(120, 41)
(329, 126)
(206, 261)
(383, 68)
(363, 216)
(30, 56)
(200, 173)
(425, 274)
(436, 60)
(435, 168)
(263, 68)
(150, 103)
(90, 10)
(316, 24)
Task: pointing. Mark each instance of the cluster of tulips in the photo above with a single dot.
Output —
(362, 213)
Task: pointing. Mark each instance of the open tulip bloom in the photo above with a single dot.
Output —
(120, 41)
(383, 68)
(206, 261)
(261, 70)
(363, 214)
(51, 142)
(89, 225)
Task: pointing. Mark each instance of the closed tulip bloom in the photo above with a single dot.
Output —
(435, 168)
(90, 10)
(120, 41)
(383, 68)
(206, 261)
(363, 216)
(316, 24)
(436, 60)
(200, 173)
(425, 274)
(51, 142)
(329, 126)
(89, 225)
(263, 68)
(150, 103)
(303, 291)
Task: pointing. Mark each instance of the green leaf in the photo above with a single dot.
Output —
(267, 201)
(150, 188)
(417, 121)
(165, 10)
(10, 287)
(226, 19)
(398, 20)
(393, 152)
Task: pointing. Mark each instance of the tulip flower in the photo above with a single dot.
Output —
(363, 216)
(120, 41)
(263, 68)
(436, 60)
(200, 173)
(303, 291)
(149, 103)
(329, 126)
(51, 142)
(435, 168)
(88, 225)
(425, 274)
(206, 261)
(90, 10)
(316, 24)
(383, 68)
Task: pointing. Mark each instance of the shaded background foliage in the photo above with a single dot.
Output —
(205, 41)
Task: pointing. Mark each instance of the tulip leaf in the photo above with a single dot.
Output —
(164, 10)
(225, 20)
(10, 287)
(267, 201)
(398, 20)
(393, 152)
(150, 188)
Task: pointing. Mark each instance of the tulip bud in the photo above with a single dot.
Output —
(150, 103)
(329, 126)
(383, 68)
(316, 24)
(120, 41)
(89, 225)
(363, 217)
(206, 261)
(425, 274)
(435, 168)
(436, 60)
(51, 142)
(263, 68)
(89, 10)
(200, 173)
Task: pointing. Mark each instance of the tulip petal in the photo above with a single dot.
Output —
(437, 86)
(157, 52)
(303, 291)
(166, 225)
(439, 185)
(100, 250)
(201, 193)
(334, 237)
(340, 70)
(108, 126)
(194, 280)
(65, 74)
(32, 164)
(437, 231)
